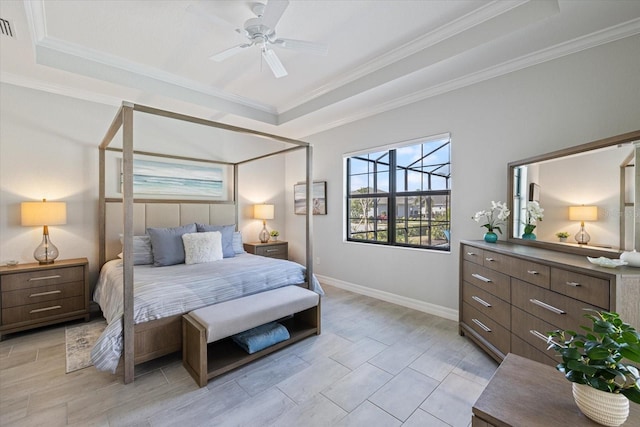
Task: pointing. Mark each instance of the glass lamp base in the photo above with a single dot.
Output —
(582, 237)
(46, 252)
(264, 235)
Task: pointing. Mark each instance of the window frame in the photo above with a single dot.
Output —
(393, 196)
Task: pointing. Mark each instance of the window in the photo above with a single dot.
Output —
(401, 196)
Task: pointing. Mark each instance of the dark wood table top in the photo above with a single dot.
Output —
(523, 392)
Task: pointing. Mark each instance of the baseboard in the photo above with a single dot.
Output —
(425, 307)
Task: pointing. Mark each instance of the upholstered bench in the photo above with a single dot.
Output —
(207, 349)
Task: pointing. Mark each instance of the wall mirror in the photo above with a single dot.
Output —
(587, 192)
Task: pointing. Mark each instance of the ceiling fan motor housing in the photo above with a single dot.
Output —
(259, 33)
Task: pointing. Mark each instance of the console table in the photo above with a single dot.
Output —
(523, 392)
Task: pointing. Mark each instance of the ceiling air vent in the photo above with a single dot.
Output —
(5, 28)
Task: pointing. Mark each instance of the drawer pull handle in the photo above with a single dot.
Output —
(471, 253)
(41, 294)
(479, 277)
(482, 325)
(539, 335)
(271, 250)
(574, 284)
(489, 259)
(34, 279)
(38, 310)
(542, 336)
(481, 301)
(546, 306)
(533, 272)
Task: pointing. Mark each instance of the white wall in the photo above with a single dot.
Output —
(569, 101)
(49, 149)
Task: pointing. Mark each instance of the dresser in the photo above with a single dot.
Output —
(34, 295)
(276, 249)
(511, 295)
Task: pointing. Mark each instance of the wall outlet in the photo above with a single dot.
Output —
(317, 260)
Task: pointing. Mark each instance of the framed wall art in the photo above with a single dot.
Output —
(319, 190)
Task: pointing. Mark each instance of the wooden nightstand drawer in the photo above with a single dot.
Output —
(30, 312)
(531, 272)
(41, 294)
(32, 279)
(476, 255)
(270, 249)
(34, 295)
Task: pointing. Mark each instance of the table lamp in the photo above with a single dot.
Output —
(583, 213)
(44, 214)
(263, 212)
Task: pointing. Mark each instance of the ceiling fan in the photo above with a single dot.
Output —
(261, 32)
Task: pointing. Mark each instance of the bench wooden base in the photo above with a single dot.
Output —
(205, 361)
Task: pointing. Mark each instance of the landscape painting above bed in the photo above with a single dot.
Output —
(176, 179)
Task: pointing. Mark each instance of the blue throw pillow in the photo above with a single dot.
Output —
(227, 237)
(167, 245)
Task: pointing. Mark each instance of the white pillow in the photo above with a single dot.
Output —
(202, 247)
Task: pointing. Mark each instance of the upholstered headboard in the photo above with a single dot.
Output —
(162, 215)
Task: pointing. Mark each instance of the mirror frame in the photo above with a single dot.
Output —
(594, 145)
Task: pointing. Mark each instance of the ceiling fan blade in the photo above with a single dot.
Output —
(228, 53)
(274, 63)
(273, 12)
(304, 46)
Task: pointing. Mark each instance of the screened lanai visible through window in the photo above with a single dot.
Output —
(401, 196)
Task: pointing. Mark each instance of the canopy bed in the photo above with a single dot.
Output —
(137, 329)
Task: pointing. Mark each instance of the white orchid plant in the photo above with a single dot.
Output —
(534, 214)
(493, 217)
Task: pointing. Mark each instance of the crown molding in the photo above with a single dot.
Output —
(618, 32)
(29, 83)
(431, 38)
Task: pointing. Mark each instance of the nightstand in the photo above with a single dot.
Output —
(270, 249)
(34, 295)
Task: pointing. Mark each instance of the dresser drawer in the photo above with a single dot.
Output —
(48, 309)
(489, 280)
(532, 330)
(589, 289)
(472, 254)
(488, 304)
(524, 349)
(488, 329)
(32, 279)
(496, 261)
(42, 293)
(560, 311)
(531, 272)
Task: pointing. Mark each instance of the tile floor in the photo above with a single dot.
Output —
(375, 364)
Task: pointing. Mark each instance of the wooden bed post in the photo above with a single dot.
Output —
(309, 152)
(127, 206)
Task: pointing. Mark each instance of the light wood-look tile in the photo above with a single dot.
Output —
(375, 364)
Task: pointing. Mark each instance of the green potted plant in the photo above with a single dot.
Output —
(274, 234)
(603, 383)
(562, 235)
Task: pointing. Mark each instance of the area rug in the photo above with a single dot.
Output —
(79, 341)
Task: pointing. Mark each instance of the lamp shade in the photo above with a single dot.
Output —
(583, 213)
(43, 213)
(263, 211)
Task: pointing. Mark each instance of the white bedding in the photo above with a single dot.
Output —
(166, 291)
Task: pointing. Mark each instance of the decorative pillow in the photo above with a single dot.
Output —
(142, 254)
(166, 244)
(202, 247)
(237, 243)
(227, 236)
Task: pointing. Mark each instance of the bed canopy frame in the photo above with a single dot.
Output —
(124, 120)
